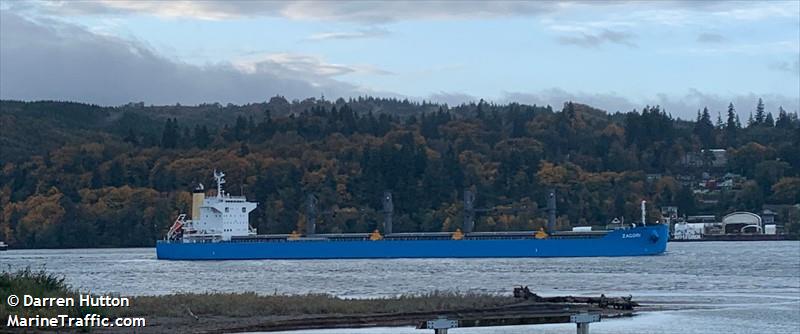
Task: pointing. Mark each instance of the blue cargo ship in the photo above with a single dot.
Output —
(220, 231)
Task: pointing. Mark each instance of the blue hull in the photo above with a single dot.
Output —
(649, 240)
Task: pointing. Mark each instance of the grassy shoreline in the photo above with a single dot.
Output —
(251, 312)
(219, 312)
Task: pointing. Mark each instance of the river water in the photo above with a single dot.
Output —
(727, 287)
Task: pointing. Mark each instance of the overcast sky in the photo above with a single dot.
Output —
(622, 55)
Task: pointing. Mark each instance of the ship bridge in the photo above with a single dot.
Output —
(222, 216)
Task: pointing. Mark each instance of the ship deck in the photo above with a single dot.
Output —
(416, 236)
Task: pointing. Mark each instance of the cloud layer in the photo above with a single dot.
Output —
(52, 60)
(708, 37)
(592, 40)
(373, 32)
(375, 11)
(353, 11)
(49, 59)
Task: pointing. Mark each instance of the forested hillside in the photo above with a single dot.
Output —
(76, 175)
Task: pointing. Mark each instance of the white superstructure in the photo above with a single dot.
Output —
(218, 218)
(688, 231)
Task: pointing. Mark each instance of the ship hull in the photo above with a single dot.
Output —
(650, 240)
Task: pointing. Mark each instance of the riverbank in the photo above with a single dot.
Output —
(231, 312)
(217, 313)
(249, 312)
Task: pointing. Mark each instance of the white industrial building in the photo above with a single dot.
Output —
(742, 222)
(695, 227)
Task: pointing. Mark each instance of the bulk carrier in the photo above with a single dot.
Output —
(220, 230)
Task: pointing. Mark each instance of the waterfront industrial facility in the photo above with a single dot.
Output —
(735, 226)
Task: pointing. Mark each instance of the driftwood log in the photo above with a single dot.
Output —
(621, 303)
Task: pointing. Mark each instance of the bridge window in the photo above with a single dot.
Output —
(244, 210)
(226, 209)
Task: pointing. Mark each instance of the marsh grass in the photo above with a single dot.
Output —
(38, 284)
(251, 304)
(43, 284)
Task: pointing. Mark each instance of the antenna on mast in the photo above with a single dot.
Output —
(219, 176)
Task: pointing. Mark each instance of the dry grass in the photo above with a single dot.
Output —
(38, 284)
(251, 304)
(241, 305)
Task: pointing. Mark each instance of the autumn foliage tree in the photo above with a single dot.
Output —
(96, 176)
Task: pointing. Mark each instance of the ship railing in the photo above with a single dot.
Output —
(448, 236)
(511, 235)
(580, 233)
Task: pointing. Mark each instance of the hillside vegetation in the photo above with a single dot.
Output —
(77, 175)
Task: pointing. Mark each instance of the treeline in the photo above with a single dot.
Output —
(77, 175)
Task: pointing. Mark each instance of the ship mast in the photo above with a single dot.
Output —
(219, 176)
(644, 213)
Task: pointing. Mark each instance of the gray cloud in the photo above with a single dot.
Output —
(362, 33)
(592, 40)
(707, 37)
(354, 11)
(372, 11)
(53, 60)
(792, 68)
(301, 66)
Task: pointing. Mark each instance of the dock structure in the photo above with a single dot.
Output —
(535, 310)
(441, 325)
(582, 320)
(526, 314)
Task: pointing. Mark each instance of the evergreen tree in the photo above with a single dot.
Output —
(185, 137)
(730, 127)
(769, 120)
(783, 122)
(760, 117)
(240, 128)
(719, 120)
(169, 137)
(750, 121)
(165, 133)
(704, 129)
(131, 137)
(202, 138)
